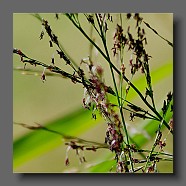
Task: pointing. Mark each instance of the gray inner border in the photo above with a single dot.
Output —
(7, 8)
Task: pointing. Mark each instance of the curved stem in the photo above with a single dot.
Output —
(117, 95)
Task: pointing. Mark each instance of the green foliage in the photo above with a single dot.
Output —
(122, 142)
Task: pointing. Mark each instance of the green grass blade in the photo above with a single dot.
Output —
(39, 142)
(102, 167)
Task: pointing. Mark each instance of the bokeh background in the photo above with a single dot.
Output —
(35, 101)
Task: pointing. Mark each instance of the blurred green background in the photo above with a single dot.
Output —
(35, 101)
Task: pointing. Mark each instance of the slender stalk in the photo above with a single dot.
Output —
(149, 84)
(157, 137)
(64, 136)
(60, 46)
(154, 146)
(122, 63)
(117, 95)
(171, 44)
(156, 153)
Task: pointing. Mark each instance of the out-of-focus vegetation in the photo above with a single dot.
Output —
(58, 102)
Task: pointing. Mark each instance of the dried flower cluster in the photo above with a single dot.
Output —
(96, 91)
(136, 46)
(120, 40)
(97, 98)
